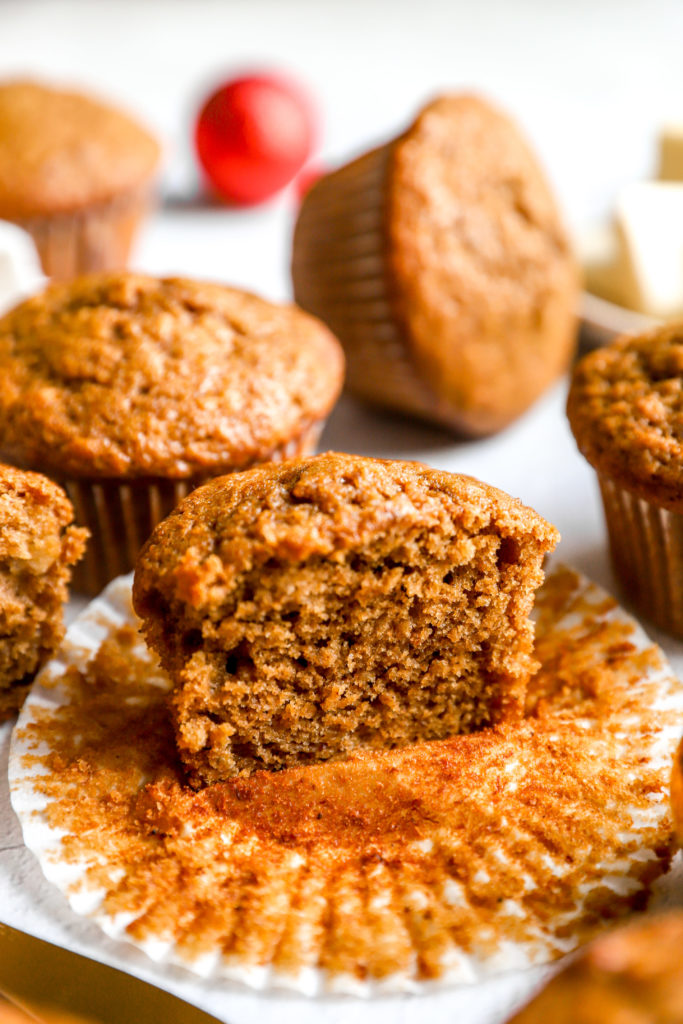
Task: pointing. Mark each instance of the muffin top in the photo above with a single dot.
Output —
(320, 506)
(60, 151)
(626, 411)
(119, 375)
(484, 281)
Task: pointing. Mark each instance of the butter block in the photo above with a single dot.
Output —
(671, 153)
(649, 224)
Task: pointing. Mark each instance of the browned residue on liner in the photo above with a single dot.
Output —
(387, 861)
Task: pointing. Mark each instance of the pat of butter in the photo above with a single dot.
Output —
(649, 223)
(671, 153)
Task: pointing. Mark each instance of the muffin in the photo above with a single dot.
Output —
(75, 173)
(632, 976)
(12, 1014)
(130, 390)
(625, 408)
(305, 610)
(677, 793)
(37, 549)
(441, 263)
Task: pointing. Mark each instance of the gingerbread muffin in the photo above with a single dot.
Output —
(441, 263)
(74, 172)
(626, 411)
(337, 602)
(37, 549)
(130, 390)
(631, 976)
(677, 793)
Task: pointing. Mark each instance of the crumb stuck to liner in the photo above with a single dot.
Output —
(121, 515)
(445, 862)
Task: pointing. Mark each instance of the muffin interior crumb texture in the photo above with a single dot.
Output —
(337, 603)
(37, 548)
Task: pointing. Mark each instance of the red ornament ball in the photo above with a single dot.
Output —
(253, 135)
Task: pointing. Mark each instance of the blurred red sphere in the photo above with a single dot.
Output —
(253, 135)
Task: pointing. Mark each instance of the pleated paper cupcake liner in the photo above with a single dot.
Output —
(340, 274)
(96, 238)
(646, 544)
(121, 514)
(439, 863)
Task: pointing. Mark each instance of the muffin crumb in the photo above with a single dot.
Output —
(339, 602)
(37, 549)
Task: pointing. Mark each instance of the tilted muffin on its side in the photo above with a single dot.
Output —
(337, 602)
(441, 263)
(625, 408)
(632, 976)
(75, 173)
(130, 390)
(37, 549)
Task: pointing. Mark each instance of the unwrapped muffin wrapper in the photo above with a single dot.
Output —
(97, 237)
(121, 514)
(646, 544)
(344, 234)
(473, 866)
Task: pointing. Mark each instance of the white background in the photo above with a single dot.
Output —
(590, 81)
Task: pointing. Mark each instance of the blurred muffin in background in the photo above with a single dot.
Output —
(631, 976)
(131, 390)
(441, 263)
(76, 173)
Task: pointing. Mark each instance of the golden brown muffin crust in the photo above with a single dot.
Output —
(60, 151)
(336, 602)
(484, 281)
(677, 793)
(625, 407)
(122, 375)
(632, 976)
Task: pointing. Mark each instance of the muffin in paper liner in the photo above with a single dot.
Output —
(441, 263)
(350, 287)
(120, 515)
(625, 408)
(439, 863)
(646, 543)
(97, 237)
(129, 390)
(75, 172)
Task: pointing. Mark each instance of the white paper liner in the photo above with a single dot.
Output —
(639, 740)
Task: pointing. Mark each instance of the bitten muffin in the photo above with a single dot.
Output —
(37, 549)
(625, 408)
(441, 263)
(337, 602)
(129, 390)
(631, 976)
(75, 173)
